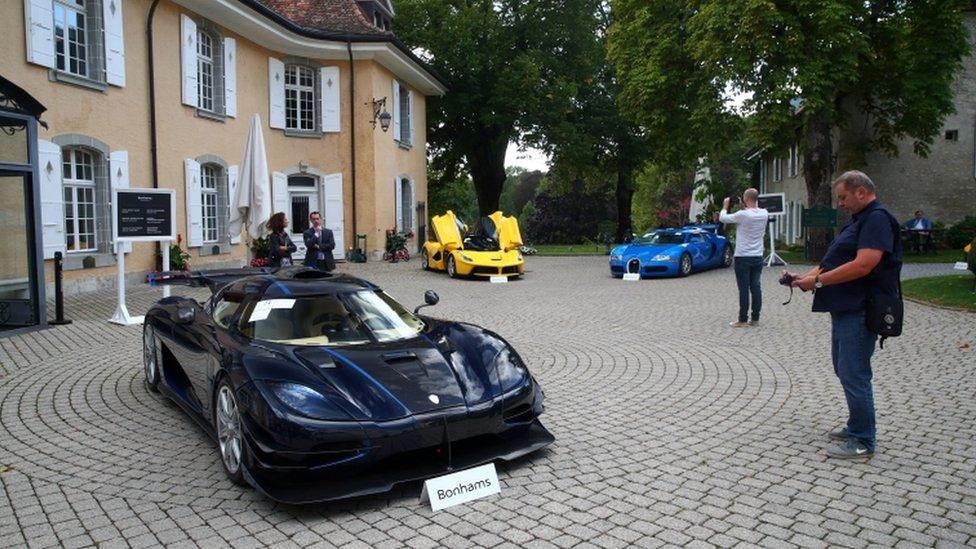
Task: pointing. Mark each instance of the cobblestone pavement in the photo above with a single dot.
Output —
(671, 429)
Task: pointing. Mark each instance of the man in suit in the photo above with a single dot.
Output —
(920, 230)
(319, 244)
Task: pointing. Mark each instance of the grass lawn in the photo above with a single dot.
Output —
(571, 249)
(950, 291)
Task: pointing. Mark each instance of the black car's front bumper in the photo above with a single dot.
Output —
(298, 460)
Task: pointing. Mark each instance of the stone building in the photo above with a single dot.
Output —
(319, 73)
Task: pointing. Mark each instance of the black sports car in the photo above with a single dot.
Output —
(321, 386)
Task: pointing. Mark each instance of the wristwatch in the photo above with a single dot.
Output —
(816, 283)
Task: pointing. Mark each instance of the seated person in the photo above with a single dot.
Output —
(920, 231)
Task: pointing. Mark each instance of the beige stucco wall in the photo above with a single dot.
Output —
(119, 117)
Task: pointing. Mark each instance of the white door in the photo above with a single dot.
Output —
(334, 212)
(303, 199)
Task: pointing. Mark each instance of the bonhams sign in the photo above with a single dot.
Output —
(461, 487)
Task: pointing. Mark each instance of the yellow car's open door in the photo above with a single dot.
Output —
(448, 234)
(509, 236)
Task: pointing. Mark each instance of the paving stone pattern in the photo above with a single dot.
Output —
(671, 429)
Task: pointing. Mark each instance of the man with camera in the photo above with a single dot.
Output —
(862, 263)
(751, 220)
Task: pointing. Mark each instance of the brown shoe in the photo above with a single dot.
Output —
(754, 323)
(737, 324)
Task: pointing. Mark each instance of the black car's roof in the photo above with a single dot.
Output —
(299, 281)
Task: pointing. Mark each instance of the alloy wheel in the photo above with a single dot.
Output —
(685, 264)
(229, 430)
(149, 358)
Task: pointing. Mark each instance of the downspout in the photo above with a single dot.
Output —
(152, 98)
(352, 129)
(154, 160)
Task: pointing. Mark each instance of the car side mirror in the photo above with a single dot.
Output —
(185, 314)
(430, 298)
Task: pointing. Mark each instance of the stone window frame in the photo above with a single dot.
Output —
(305, 62)
(219, 111)
(103, 255)
(222, 245)
(95, 49)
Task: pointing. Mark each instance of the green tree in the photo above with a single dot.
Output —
(510, 65)
(803, 67)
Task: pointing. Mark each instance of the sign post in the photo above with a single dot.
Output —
(775, 204)
(140, 215)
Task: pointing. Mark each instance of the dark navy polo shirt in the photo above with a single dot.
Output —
(872, 228)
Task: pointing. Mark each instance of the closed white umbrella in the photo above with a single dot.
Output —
(251, 205)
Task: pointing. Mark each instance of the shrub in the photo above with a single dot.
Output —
(960, 234)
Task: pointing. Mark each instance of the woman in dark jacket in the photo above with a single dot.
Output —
(280, 244)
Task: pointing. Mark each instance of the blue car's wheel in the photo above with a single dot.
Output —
(149, 359)
(727, 257)
(230, 433)
(684, 268)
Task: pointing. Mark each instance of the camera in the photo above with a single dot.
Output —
(787, 279)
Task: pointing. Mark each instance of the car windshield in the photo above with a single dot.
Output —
(661, 237)
(337, 319)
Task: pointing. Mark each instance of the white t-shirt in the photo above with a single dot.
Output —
(749, 235)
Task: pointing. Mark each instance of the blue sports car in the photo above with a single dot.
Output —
(672, 252)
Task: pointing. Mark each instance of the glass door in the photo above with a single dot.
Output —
(16, 292)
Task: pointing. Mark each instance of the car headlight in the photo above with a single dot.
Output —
(661, 257)
(305, 401)
(511, 370)
(616, 257)
(519, 256)
(466, 259)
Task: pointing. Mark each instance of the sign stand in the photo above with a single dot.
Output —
(121, 315)
(140, 215)
(773, 258)
(167, 291)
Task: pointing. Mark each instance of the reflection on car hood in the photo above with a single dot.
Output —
(652, 249)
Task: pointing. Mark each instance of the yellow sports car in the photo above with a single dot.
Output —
(491, 249)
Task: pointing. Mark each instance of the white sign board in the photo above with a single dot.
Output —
(461, 487)
(143, 215)
(499, 280)
(631, 276)
(774, 203)
(961, 266)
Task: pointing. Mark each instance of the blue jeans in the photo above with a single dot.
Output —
(851, 347)
(747, 271)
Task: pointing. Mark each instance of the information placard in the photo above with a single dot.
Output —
(144, 215)
(460, 487)
(774, 203)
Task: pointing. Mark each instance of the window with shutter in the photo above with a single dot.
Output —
(301, 102)
(210, 174)
(78, 176)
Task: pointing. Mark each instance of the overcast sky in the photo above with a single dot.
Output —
(531, 159)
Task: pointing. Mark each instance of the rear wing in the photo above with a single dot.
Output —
(214, 279)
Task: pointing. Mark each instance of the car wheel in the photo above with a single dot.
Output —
(230, 433)
(727, 257)
(451, 266)
(424, 260)
(684, 268)
(149, 359)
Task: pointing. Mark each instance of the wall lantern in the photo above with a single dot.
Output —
(379, 111)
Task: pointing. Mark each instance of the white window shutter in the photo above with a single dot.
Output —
(399, 203)
(114, 43)
(395, 111)
(118, 167)
(231, 193)
(334, 214)
(188, 50)
(230, 77)
(413, 206)
(39, 28)
(194, 204)
(52, 198)
(279, 193)
(410, 117)
(276, 93)
(329, 84)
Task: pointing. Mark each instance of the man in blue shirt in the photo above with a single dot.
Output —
(864, 257)
(919, 228)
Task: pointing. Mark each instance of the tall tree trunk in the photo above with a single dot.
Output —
(625, 199)
(486, 161)
(817, 170)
